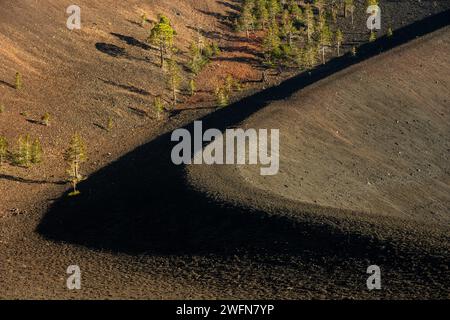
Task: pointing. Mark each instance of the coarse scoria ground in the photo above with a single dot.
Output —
(364, 173)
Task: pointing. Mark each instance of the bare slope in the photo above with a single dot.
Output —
(374, 139)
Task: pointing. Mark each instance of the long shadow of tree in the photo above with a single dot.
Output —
(142, 204)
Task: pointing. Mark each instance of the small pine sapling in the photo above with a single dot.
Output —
(143, 19)
(75, 155)
(222, 97)
(3, 149)
(45, 119)
(2, 108)
(110, 124)
(23, 155)
(36, 152)
(390, 33)
(18, 81)
(159, 107)
(173, 78)
(373, 36)
(339, 39)
(192, 87)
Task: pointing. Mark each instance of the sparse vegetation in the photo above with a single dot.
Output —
(110, 124)
(390, 33)
(159, 107)
(2, 108)
(173, 78)
(18, 81)
(24, 151)
(143, 19)
(192, 87)
(339, 38)
(3, 149)
(200, 55)
(36, 152)
(45, 119)
(222, 96)
(75, 155)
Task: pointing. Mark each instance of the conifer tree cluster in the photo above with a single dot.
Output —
(295, 33)
(200, 54)
(225, 88)
(29, 151)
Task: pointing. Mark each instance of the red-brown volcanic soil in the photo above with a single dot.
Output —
(362, 183)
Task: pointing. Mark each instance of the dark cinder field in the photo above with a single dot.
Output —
(364, 160)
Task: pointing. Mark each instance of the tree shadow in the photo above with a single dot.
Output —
(236, 6)
(138, 112)
(132, 41)
(29, 181)
(142, 203)
(128, 87)
(7, 84)
(111, 49)
(246, 60)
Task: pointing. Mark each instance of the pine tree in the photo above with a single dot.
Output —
(18, 81)
(36, 152)
(274, 8)
(339, 38)
(222, 96)
(334, 10)
(75, 155)
(192, 87)
(325, 40)
(45, 119)
(3, 149)
(173, 78)
(159, 107)
(390, 33)
(309, 58)
(289, 29)
(110, 124)
(261, 13)
(23, 155)
(143, 19)
(271, 45)
(310, 23)
(246, 20)
(197, 60)
(229, 83)
(296, 11)
(349, 6)
(162, 35)
(320, 5)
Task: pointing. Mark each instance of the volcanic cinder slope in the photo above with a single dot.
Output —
(363, 180)
(367, 152)
(373, 139)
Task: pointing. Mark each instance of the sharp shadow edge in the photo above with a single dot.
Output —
(141, 203)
